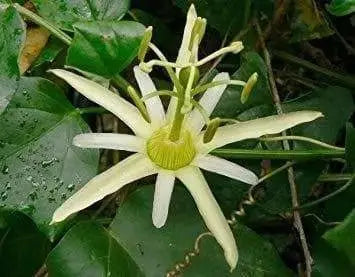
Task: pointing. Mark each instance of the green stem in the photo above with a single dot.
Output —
(278, 154)
(44, 23)
(92, 110)
(177, 122)
(330, 195)
(334, 177)
(129, 89)
(340, 77)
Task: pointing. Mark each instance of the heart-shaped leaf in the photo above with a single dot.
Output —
(105, 48)
(157, 250)
(65, 13)
(40, 167)
(90, 250)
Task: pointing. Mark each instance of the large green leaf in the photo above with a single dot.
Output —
(19, 238)
(330, 262)
(90, 250)
(104, 48)
(12, 37)
(65, 13)
(223, 15)
(350, 146)
(341, 7)
(157, 250)
(40, 167)
(342, 237)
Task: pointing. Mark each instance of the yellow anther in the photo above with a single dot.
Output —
(211, 130)
(248, 87)
(144, 46)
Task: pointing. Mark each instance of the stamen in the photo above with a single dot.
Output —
(144, 46)
(234, 48)
(211, 130)
(203, 88)
(248, 87)
(201, 110)
(138, 102)
(160, 93)
(187, 100)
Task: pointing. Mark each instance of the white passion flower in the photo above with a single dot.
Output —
(173, 144)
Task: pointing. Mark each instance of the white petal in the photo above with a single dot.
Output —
(128, 113)
(184, 53)
(226, 168)
(110, 141)
(208, 101)
(210, 211)
(256, 128)
(132, 168)
(163, 189)
(154, 106)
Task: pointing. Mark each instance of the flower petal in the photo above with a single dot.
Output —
(210, 211)
(132, 168)
(110, 141)
(163, 189)
(208, 101)
(184, 52)
(226, 168)
(256, 128)
(154, 106)
(128, 113)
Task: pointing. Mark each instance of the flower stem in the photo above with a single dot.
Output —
(300, 138)
(279, 154)
(177, 122)
(44, 23)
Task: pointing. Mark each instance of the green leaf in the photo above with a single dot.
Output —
(40, 167)
(307, 22)
(341, 7)
(18, 241)
(89, 250)
(66, 13)
(342, 237)
(350, 146)
(53, 47)
(105, 48)
(157, 250)
(12, 39)
(222, 15)
(329, 262)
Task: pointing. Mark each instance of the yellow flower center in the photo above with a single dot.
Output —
(168, 154)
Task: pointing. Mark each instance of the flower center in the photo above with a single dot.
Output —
(169, 154)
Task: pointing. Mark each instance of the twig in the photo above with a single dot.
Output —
(328, 196)
(338, 77)
(291, 178)
(42, 271)
(333, 223)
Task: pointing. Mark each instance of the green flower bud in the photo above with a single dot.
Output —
(184, 76)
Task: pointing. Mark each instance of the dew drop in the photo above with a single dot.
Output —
(5, 169)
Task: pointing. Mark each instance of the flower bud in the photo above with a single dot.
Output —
(185, 74)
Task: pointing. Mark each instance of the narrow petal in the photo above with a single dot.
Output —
(110, 141)
(210, 211)
(128, 113)
(154, 106)
(208, 101)
(132, 168)
(163, 189)
(226, 168)
(256, 128)
(184, 53)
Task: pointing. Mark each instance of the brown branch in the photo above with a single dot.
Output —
(291, 178)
